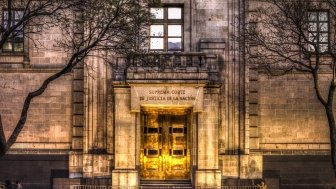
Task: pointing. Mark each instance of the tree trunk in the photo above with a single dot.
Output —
(332, 130)
(3, 144)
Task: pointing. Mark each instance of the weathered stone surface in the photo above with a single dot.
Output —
(243, 166)
(125, 178)
(290, 115)
(238, 114)
(38, 53)
(49, 117)
(208, 178)
(124, 130)
(167, 95)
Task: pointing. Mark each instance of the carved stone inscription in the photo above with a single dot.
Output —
(167, 95)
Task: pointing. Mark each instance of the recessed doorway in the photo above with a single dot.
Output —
(165, 144)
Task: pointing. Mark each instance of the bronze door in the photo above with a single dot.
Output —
(165, 146)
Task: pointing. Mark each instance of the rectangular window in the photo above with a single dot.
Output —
(15, 40)
(166, 31)
(318, 28)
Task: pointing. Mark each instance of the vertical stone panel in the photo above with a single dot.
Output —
(124, 130)
(109, 112)
(76, 165)
(124, 173)
(208, 173)
(219, 19)
(97, 161)
(253, 110)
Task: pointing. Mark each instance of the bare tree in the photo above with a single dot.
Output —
(117, 26)
(299, 36)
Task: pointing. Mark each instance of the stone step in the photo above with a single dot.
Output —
(161, 184)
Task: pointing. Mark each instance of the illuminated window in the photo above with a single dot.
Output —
(15, 40)
(318, 28)
(166, 31)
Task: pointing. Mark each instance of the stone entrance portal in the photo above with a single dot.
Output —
(166, 132)
(165, 144)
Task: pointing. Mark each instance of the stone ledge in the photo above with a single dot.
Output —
(131, 76)
(12, 58)
(39, 157)
(37, 146)
(290, 152)
(295, 146)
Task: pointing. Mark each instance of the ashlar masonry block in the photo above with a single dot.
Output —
(243, 166)
(124, 178)
(208, 178)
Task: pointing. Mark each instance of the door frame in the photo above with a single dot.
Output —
(192, 132)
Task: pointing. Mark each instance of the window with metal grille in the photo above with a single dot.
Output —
(15, 40)
(166, 30)
(318, 28)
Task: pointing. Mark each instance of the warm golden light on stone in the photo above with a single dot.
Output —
(165, 144)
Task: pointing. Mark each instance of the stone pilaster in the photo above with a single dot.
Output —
(76, 155)
(125, 173)
(207, 173)
(96, 159)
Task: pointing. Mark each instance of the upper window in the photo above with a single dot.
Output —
(15, 40)
(166, 31)
(318, 28)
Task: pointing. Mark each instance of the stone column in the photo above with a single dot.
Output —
(96, 159)
(207, 173)
(125, 173)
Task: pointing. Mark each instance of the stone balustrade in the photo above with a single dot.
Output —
(177, 66)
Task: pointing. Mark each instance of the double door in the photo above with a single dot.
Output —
(165, 145)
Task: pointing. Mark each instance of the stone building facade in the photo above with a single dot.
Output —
(201, 116)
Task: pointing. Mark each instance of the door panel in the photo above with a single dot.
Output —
(165, 145)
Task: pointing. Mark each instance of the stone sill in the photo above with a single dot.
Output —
(12, 58)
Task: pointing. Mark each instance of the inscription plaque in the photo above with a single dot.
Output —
(191, 96)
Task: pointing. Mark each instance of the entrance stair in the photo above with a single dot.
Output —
(166, 184)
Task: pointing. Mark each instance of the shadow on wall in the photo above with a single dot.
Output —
(33, 171)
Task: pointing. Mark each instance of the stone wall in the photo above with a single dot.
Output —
(49, 121)
(291, 117)
(43, 50)
(40, 152)
(247, 116)
(50, 115)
